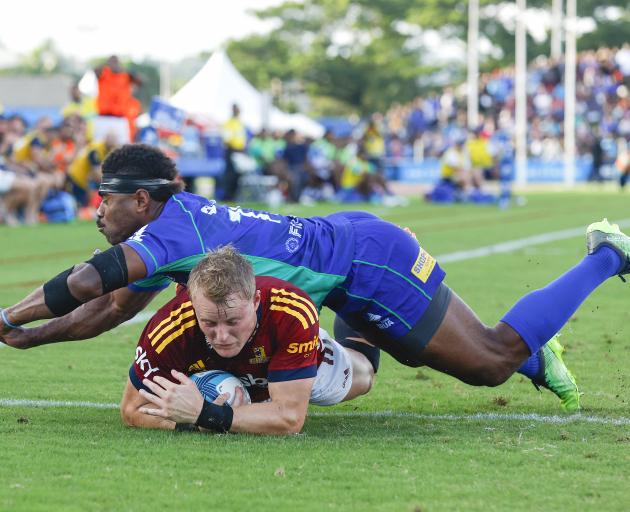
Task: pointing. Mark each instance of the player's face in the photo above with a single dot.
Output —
(227, 327)
(117, 217)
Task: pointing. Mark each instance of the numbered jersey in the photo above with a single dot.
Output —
(285, 346)
(314, 254)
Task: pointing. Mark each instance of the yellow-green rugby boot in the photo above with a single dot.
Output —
(604, 233)
(556, 377)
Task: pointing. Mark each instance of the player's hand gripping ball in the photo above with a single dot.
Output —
(213, 383)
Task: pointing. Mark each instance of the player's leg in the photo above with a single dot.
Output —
(462, 346)
(351, 339)
(467, 349)
(364, 357)
(450, 338)
(403, 312)
(362, 375)
(343, 374)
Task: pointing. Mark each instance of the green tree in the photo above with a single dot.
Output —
(44, 59)
(366, 54)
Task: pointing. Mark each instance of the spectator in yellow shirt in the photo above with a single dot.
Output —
(481, 160)
(234, 140)
(84, 174)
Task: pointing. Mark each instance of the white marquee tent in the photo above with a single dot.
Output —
(219, 85)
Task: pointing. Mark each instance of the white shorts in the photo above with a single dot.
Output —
(334, 375)
(6, 181)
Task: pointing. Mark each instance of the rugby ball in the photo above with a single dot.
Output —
(213, 383)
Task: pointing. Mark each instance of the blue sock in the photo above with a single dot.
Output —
(531, 367)
(540, 314)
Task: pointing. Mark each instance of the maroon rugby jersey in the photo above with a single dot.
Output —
(285, 345)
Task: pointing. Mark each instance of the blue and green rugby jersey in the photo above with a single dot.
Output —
(313, 253)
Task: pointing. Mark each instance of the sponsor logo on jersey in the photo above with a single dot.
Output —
(236, 212)
(295, 305)
(292, 245)
(138, 235)
(249, 380)
(423, 266)
(295, 228)
(260, 357)
(381, 323)
(346, 375)
(199, 366)
(209, 209)
(385, 324)
(303, 347)
(143, 363)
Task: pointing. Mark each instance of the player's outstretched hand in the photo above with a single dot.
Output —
(180, 403)
(17, 338)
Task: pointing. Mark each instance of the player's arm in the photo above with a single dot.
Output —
(107, 271)
(87, 321)
(184, 404)
(132, 402)
(284, 414)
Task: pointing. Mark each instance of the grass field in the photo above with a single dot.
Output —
(418, 441)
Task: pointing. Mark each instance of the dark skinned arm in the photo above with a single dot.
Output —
(98, 313)
(87, 321)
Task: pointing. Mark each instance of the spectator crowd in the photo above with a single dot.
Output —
(429, 125)
(42, 166)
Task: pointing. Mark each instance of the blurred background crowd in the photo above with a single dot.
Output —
(50, 161)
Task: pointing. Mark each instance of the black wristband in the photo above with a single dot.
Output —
(215, 417)
(186, 427)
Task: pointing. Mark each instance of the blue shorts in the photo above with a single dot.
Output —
(392, 279)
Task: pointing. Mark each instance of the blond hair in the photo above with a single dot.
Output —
(222, 273)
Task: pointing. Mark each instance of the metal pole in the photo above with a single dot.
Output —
(556, 29)
(165, 80)
(569, 94)
(473, 63)
(520, 93)
(265, 105)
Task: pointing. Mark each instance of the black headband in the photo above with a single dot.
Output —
(114, 184)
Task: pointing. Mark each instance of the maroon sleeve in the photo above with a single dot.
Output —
(166, 341)
(296, 323)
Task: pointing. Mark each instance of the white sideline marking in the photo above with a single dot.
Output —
(483, 416)
(490, 416)
(10, 402)
(141, 317)
(519, 243)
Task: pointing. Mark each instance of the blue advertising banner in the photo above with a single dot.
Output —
(165, 116)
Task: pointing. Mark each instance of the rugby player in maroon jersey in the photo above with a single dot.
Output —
(261, 329)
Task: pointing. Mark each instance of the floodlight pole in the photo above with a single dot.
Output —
(520, 93)
(556, 29)
(165, 80)
(473, 63)
(266, 105)
(569, 94)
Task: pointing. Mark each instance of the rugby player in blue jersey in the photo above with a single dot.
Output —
(383, 286)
